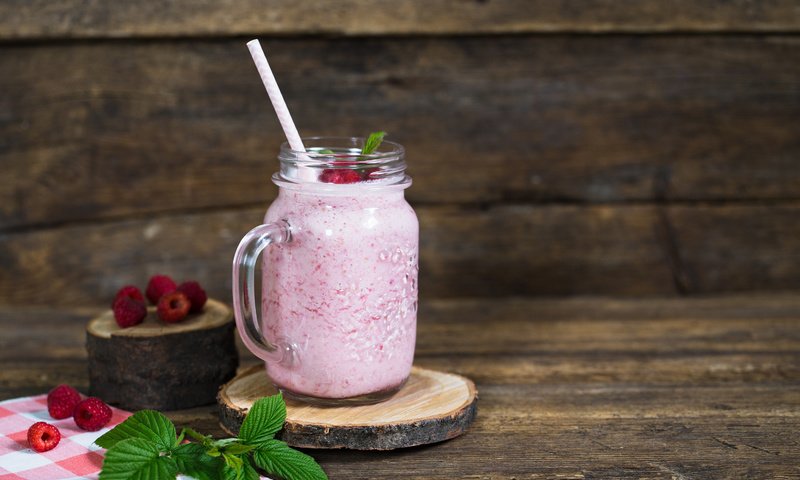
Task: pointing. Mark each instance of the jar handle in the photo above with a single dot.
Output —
(244, 296)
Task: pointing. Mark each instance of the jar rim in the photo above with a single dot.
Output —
(342, 159)
(395, 150)
(352, 189)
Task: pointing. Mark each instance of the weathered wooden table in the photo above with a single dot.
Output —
(579, 388)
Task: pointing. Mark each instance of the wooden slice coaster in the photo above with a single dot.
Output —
(432, 406)
(162, 366)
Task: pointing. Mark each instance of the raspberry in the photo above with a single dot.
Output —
(128, 291)
(92, 414)
(372, 174)
(61, 401)
(43, 436)
(336, 175)
(195, 293)
(129, 312)
(173, 307)
(158, 286)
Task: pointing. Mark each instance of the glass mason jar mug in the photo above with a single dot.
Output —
(339, 275)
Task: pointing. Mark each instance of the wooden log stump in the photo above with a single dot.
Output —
(432, 406)
(162, 366)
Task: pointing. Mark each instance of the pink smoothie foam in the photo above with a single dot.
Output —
(343, 291)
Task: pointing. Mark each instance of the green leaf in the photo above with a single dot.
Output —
(137, 459)
(264, 420)
(373, 142)
(204, 439)
(246, 472)
(326, 151)
(146, 425)
(249, 473)
(276, 457)
(233, 461)
(239, 448)
(224, 442)
(227, 473)
(192, 460)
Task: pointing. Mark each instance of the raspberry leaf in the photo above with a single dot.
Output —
(137, 459)
(247, 472)
(204, 439)
(146, 425)
(239, 448)
(213, 452)
(276, 457)
(373, 142)
(145, 447)
(233, 461)
(224, 442)
(263, 421)
(192, 461)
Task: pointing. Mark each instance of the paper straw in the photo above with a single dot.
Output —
(284, 117)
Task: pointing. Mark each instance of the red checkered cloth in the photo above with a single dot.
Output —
(75, 457)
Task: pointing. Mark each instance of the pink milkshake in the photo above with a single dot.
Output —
(339, 279)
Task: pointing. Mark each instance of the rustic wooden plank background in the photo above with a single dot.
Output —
(570, 388)
(500, 251)
(38, 19)
(136, 138)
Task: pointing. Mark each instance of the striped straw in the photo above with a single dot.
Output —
(284, 117)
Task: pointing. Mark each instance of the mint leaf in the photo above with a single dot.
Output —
(276, 457)
(144, 424)
(137, 459)
(192, 460)
(264, 420)
(373, 142)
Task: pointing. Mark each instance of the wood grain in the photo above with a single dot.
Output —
(639, 448)
(27, 19)
(215, 314)
(499, 251)
(711, 247)
(431, 407)
(572, 388)
(116, 129)
(162, 366)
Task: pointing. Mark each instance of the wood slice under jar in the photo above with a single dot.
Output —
(431, 407)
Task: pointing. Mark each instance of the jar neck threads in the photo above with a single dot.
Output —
(338, 161)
